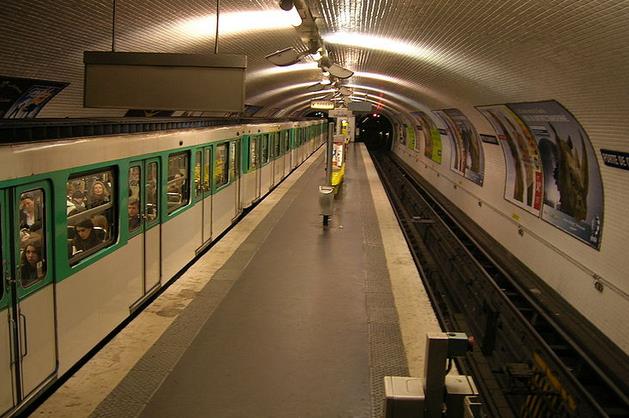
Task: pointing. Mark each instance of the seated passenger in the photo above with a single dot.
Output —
(100, 221)
(31, 265)
(76, 203)
(133, 208)
(85, 237)
(98, 195)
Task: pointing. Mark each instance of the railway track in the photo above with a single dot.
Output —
(524, 364)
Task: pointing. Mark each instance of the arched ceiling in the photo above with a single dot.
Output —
(407, 54)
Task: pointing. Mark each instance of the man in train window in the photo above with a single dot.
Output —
(133, 209)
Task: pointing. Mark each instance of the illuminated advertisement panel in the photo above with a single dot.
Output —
(467, 151)
(573, 189)
(524, 182)
(429, 133)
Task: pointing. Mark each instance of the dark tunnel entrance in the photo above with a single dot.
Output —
(375, 130)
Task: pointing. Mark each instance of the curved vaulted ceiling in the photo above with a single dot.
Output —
(407, 54)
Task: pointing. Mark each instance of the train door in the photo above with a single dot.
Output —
(273, 156)
(254, 161)
(144, 186)
(234, 164)
(7, 379)
(202, 191)
(207, 196)
(27, 244)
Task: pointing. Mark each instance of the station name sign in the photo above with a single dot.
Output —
(615, 159)
(322, 104)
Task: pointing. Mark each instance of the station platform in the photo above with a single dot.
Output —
(281, 318)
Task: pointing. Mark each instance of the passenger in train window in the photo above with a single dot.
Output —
(32, 267)
(98, 195)
(133, 209)
(134, 182)
(100, 221)
(30, 212)
(76, 203)
(85, 237)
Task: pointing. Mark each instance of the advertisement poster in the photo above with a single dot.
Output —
(467, 155)
(429, 134)
(524, 182)
(573, 189)
(410, 137)
(403, 134)
(22, 98)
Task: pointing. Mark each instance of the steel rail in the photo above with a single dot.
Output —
(539, 312)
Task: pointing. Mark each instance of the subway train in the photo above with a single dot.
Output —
(91, 227)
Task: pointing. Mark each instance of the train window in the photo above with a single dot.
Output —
(198, 174)
(135, 200)
(264, 149)
(276, 145)
(178, 185)
(91, 225)
(285, 135)
(206, 169)
(3, 265)
(32, 231)
(152, 182)
(221, 168)
(233, 167)
(253, 153)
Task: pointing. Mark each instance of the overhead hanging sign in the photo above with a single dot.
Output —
(158, 81)
(340, 113)
(322, 104)
(360, 107)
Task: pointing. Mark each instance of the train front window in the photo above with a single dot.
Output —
(91, 211)
(276, 144)
(206, 169)
(285, 135)
(233, 167)
(178, 186)
(198, 174)
(221, 167)
(135, 199)
(253, 153)
(3, 266)
(264, 147)
(32, 237)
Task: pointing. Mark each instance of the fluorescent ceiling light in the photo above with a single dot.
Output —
(238, 22)
(273, 71)
(293, 17)
(378, 43)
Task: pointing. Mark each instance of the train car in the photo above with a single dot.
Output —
(91, 227)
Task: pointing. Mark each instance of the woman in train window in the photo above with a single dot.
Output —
(98, 194)
(85, 237)
(30, 213)
(32, 267)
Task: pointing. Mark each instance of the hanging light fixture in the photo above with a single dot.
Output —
(294, 16)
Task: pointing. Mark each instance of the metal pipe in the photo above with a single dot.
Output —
(218, 5)
(328, 167)
(113, 27)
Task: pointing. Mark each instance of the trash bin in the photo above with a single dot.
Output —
(326, 200)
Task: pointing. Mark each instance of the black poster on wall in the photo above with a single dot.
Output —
(22, 98)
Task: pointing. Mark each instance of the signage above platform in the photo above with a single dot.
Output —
(616, 159)
(340, 113)
(322, 104)
(160, 81)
